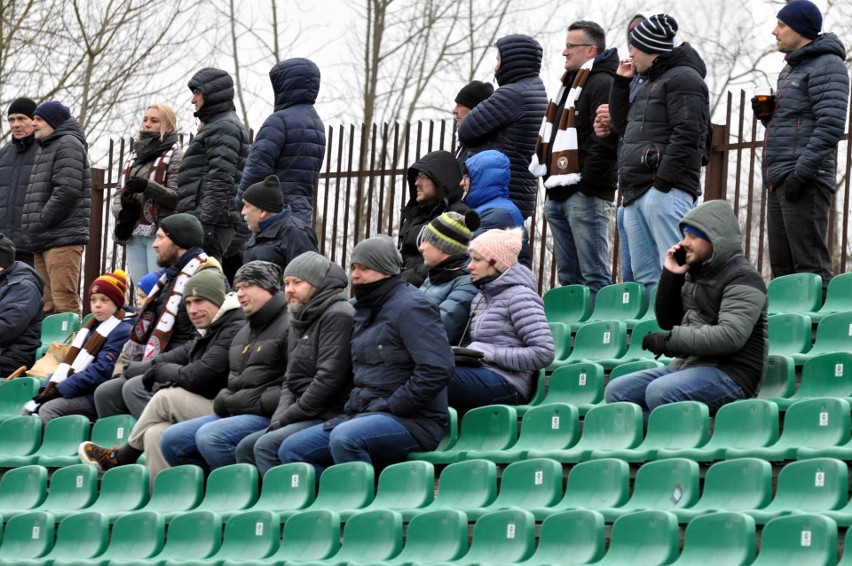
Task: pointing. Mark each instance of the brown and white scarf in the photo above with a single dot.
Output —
(157, 170)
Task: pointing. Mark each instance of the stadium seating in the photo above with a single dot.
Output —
(405, 485)
(23, 488)
(719, 538)
(780, 379)
(643, 538)
(470, 484)
(794, 293)
(789, 333)
(579, 384)
(229, 488)
(834, 334)
(825, 375)
(341, 487)
(492, 427)
(732, 485)
(285, 487)
(57, 328)
(838, 298)
(801, 538)
(14, 393)
(527, 484)
(438, 536)
(27, 536)
(596, 484)
(568, 304)
(20, 437)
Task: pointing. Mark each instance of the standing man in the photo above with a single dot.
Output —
(213, 161)
(801, 138)
(664, 137)
(16, 163)
(578, 166)
(57, 206)
(466, 100)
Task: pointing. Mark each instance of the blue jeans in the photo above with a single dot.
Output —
(623, 247)
(472, 387)
(209, 442)
(652, 224)
(261, 448)
(375, 438)
(141, 257)
(654, 387)
(580, 229)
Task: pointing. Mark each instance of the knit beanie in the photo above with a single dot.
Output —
(451, 231)
(378, 253)
(264, 274)
(113, 285)
(803, 16)
(473, 93)
(309, 266)
(655, 35)
(208, 284)
(23, 106)
(692, 230)
(499, 247)
(266, 195)
(53, 112)
(183, 229)
(7, 252)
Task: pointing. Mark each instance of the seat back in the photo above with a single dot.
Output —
(719, 538)
(634, 366)
(601, 340)
(612, 426)
(345, 486)
(577, 384)
(19, 436)
(310, 535)
(834, 334)
(737, 485)
(231, 488)
(28, 536)
(667, 484)
(561, 340)
(371, 537)
(405, 485)
(597, 484)
(14, 393)
(452, 435)
(816, 423)
(578, 534)
(467, 485)
(71, 488)
(530, 483)
(780, 378)
(800, 538)
(110, 431)
(123, 488)
(57, 328)
(642, 329)
(567, 304)
(795, 293)
(192, 535)
(250, 535)
(685, 424)
(288, 486)
(819, 484)
(789, 333)
(502, 536)
(826, 375)
(748, 423)
(620, 301)
(62, 437)
(493, 427)
(441, 535)
(177, 489)
(23, 488)
(644, 537)
(554, 426)
(81, 536)
(838, 296)
(140, 534)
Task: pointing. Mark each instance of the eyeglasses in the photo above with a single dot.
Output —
(421, 177)
(573, 45)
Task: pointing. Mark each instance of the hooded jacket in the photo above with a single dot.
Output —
(281, 238)
(443, 169)
(509, 119)
(21, 306)
(717, 311)
(214, 160)
(59, 197)
(810, 114)
(291, 142)
(16, 163)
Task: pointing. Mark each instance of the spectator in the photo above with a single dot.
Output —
(21, 306)
(16, 163)
(801, 141)
(144, 286)
(184, 380)
(278, 235)
(291, 142)
(713, 308)
(401, 361)
(57, 206)
(510, 340)
(258, 359)
(213, 162)
(443, 243)
(433, 186)
(319, 364)
(147, 188)
(509, 119)
(466, 100)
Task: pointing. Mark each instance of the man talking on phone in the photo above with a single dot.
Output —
(711, 302)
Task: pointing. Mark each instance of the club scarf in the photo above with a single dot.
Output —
(563, 167)
(83, 352)
(151, 150)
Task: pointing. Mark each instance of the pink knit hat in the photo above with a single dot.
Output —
(500, 247)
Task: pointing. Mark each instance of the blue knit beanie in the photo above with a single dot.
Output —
(147, 283)
(53, 112)
(692, 230)
(803, 16)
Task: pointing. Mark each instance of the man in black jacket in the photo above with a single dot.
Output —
(20, 310)
(16, 163)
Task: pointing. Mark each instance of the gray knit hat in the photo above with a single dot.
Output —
(309, 266)
(451, 232)
(655, 35)
(208, 284)
(378, 253)
(183, 229)
(266, 195)
(264, 274)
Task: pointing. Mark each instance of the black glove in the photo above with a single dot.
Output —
(149, 378)
(657, 342)
(467, 357)
(48, 394)
(211, 242)
(135, 185)
(794, 187)
(136, 368)
(755, 105)
(219, 405)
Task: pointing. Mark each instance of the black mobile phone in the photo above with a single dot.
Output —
(680, 256)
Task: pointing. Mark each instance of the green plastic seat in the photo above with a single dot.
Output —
(719, 538)
(732, 485)
(603, 342)
(57, 328)
(123, 489)
(346, 486)
(176, 490)
(135, 536)
(287, 486)
(825, 375)
(789, 333)
(251, 535)
(62, 437)
(370, 537)
(194, 535)
(309, 536)
(568, 304)
(555, 426)
(813, 423)
(596, 484)
(405, 485)
(579, 384)
(527, 484)
(838, 297)
(14, 393)
(685, 424)
(23, 488)
(643, 538)
(664, 485)
(112, 431)
(576, 534)
(834, 334)
(807, 486)
(501, 536)
(439, 535)
(470, 484)
(649, 312)
(20, 438)
(631, 367)
(561, 333)
(635, 352)
(229, 488)
(610, 426)
(539, 390)
(780, 378)
(451, 436)
(28, 536)
(796, 293)
(621, 301)
(492, 427)
(798, 539)
(82, 536)
(71, 489)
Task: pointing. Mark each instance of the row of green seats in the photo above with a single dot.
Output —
(802, 293)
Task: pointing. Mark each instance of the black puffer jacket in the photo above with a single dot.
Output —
(281, 238)
(213, 161)
(319, 366)
(59, 197)
(21, 308)
(509, 119)
(16, 163)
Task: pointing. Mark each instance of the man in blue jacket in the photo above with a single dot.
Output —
(16, 163)
(20, 310)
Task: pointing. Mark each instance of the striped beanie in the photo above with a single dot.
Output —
(655, 35)
(451, 232)
(113, 285)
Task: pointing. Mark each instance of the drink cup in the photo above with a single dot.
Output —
(765, 102)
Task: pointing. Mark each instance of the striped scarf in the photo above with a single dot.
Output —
(82, 352)
(157, 170)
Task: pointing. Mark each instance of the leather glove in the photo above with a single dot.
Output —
(135, 185)
(467, 357)
(48, 394)
(794, 187)
(149, 378)
(657, 343)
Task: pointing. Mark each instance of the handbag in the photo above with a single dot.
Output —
(47, 364)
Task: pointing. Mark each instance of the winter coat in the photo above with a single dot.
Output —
(84, 383)
(509, 119)
(291, 142)
(810, 114)
(258, 360)
(667, 118)
(450, 287)
(443, 169)
(717, 311)
(201, 366)
(281, 238)
(319, 363)
(508, 326)
(21, 307)
(16, 163)
(213, 161)
(59, 196)
(402, 361)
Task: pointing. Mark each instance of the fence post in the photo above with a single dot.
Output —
(92, 259)
(716, 175)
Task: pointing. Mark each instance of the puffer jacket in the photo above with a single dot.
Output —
(258, 360)
(59, 197)
(16, 163)
(450, 287)
(717, 311)
(291, 142)
(281, 238)
(509, 119)
(21, 306)
(668, 117)
(213, 161)
(319, 363)
(443, 169)
(509, 327)
(810, 114)
(201, 366)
